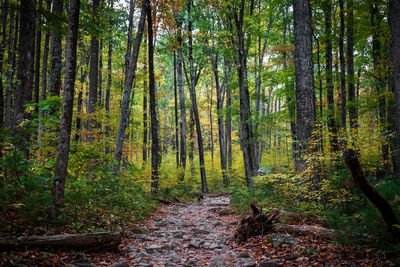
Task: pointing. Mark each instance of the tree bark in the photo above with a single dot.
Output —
(56, 51)
(228, 118)
(37, 61)
(155, 143)
(220, 107)
(127, 91)
(192, 89)
(176, 114)
(9, 114)
(109, 78)
(350, 67)
(44, 76)
(329, 77)
(145, 112)
(61, 171)
(246, 133)
(394, 23)
(304, 77)
(93, 74)
(182, 105)
(352, 163)
(23, 93)
(342, 70)
(3, 44)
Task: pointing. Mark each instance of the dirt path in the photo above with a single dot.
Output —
(191, 234)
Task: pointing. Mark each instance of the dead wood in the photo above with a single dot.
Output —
(87, 241)
(304, 229)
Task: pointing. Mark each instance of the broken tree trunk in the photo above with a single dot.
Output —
(87, 241)
(352, 163)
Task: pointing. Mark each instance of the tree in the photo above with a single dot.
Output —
(394, 23)
(60, 174)
(56, 50)
(194, 77)
(342, 70)
(155, 143)
(26, 51)
(127, 90)
(304, 78)
(93, 72)
(350, 67)
(329, 76)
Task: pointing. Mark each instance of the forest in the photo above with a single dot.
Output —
(199, 133)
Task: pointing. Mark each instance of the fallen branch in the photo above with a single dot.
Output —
(92, 241)
(304, 229)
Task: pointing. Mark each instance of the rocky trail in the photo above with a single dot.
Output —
(201, 234)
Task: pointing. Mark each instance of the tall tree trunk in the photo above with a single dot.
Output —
(376, 21)
(44, 76)
(127, 90)
(155, 144)
(176, 114)
(394, 23)
(3, 44)
(350, 67)
(93, 73)
(192, 89)
(220, 107)
(78, 134)
(304, 77)
(228, 118)
(246, 132)
(130, 29)
(23, 94)
(321, 112)
(37, 60)
(329, 76)
(342, 69)
(109, 78)
(211, 128)
(145, 93)
(182, 105)
(100, 96)
(9, 114)
(56, 51)
(60, 174)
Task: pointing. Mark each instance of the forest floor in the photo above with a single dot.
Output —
(201, 234)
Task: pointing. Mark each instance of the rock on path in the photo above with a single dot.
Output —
(192, 234)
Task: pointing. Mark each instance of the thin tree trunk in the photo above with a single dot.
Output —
(350, 67)
(220, 107)
(211, 128)
(176, 114)
(228, 118)
(55, 52)
(155, 144)
(23, 94)
(3, 44)
(37, 60)
(145, 93)
(321, 114)
(246, 132)
(127, 91)
(100, 96)
(342, 69)
(60, 174)
(109, 79)
(182, 105)
(329, 76)
(9, 114)
(304, 77)
(192, 89)
(394, 23)
(93, 74)
(44, 77)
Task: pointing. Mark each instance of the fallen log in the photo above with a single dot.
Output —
(304, 229)
(87, 241)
